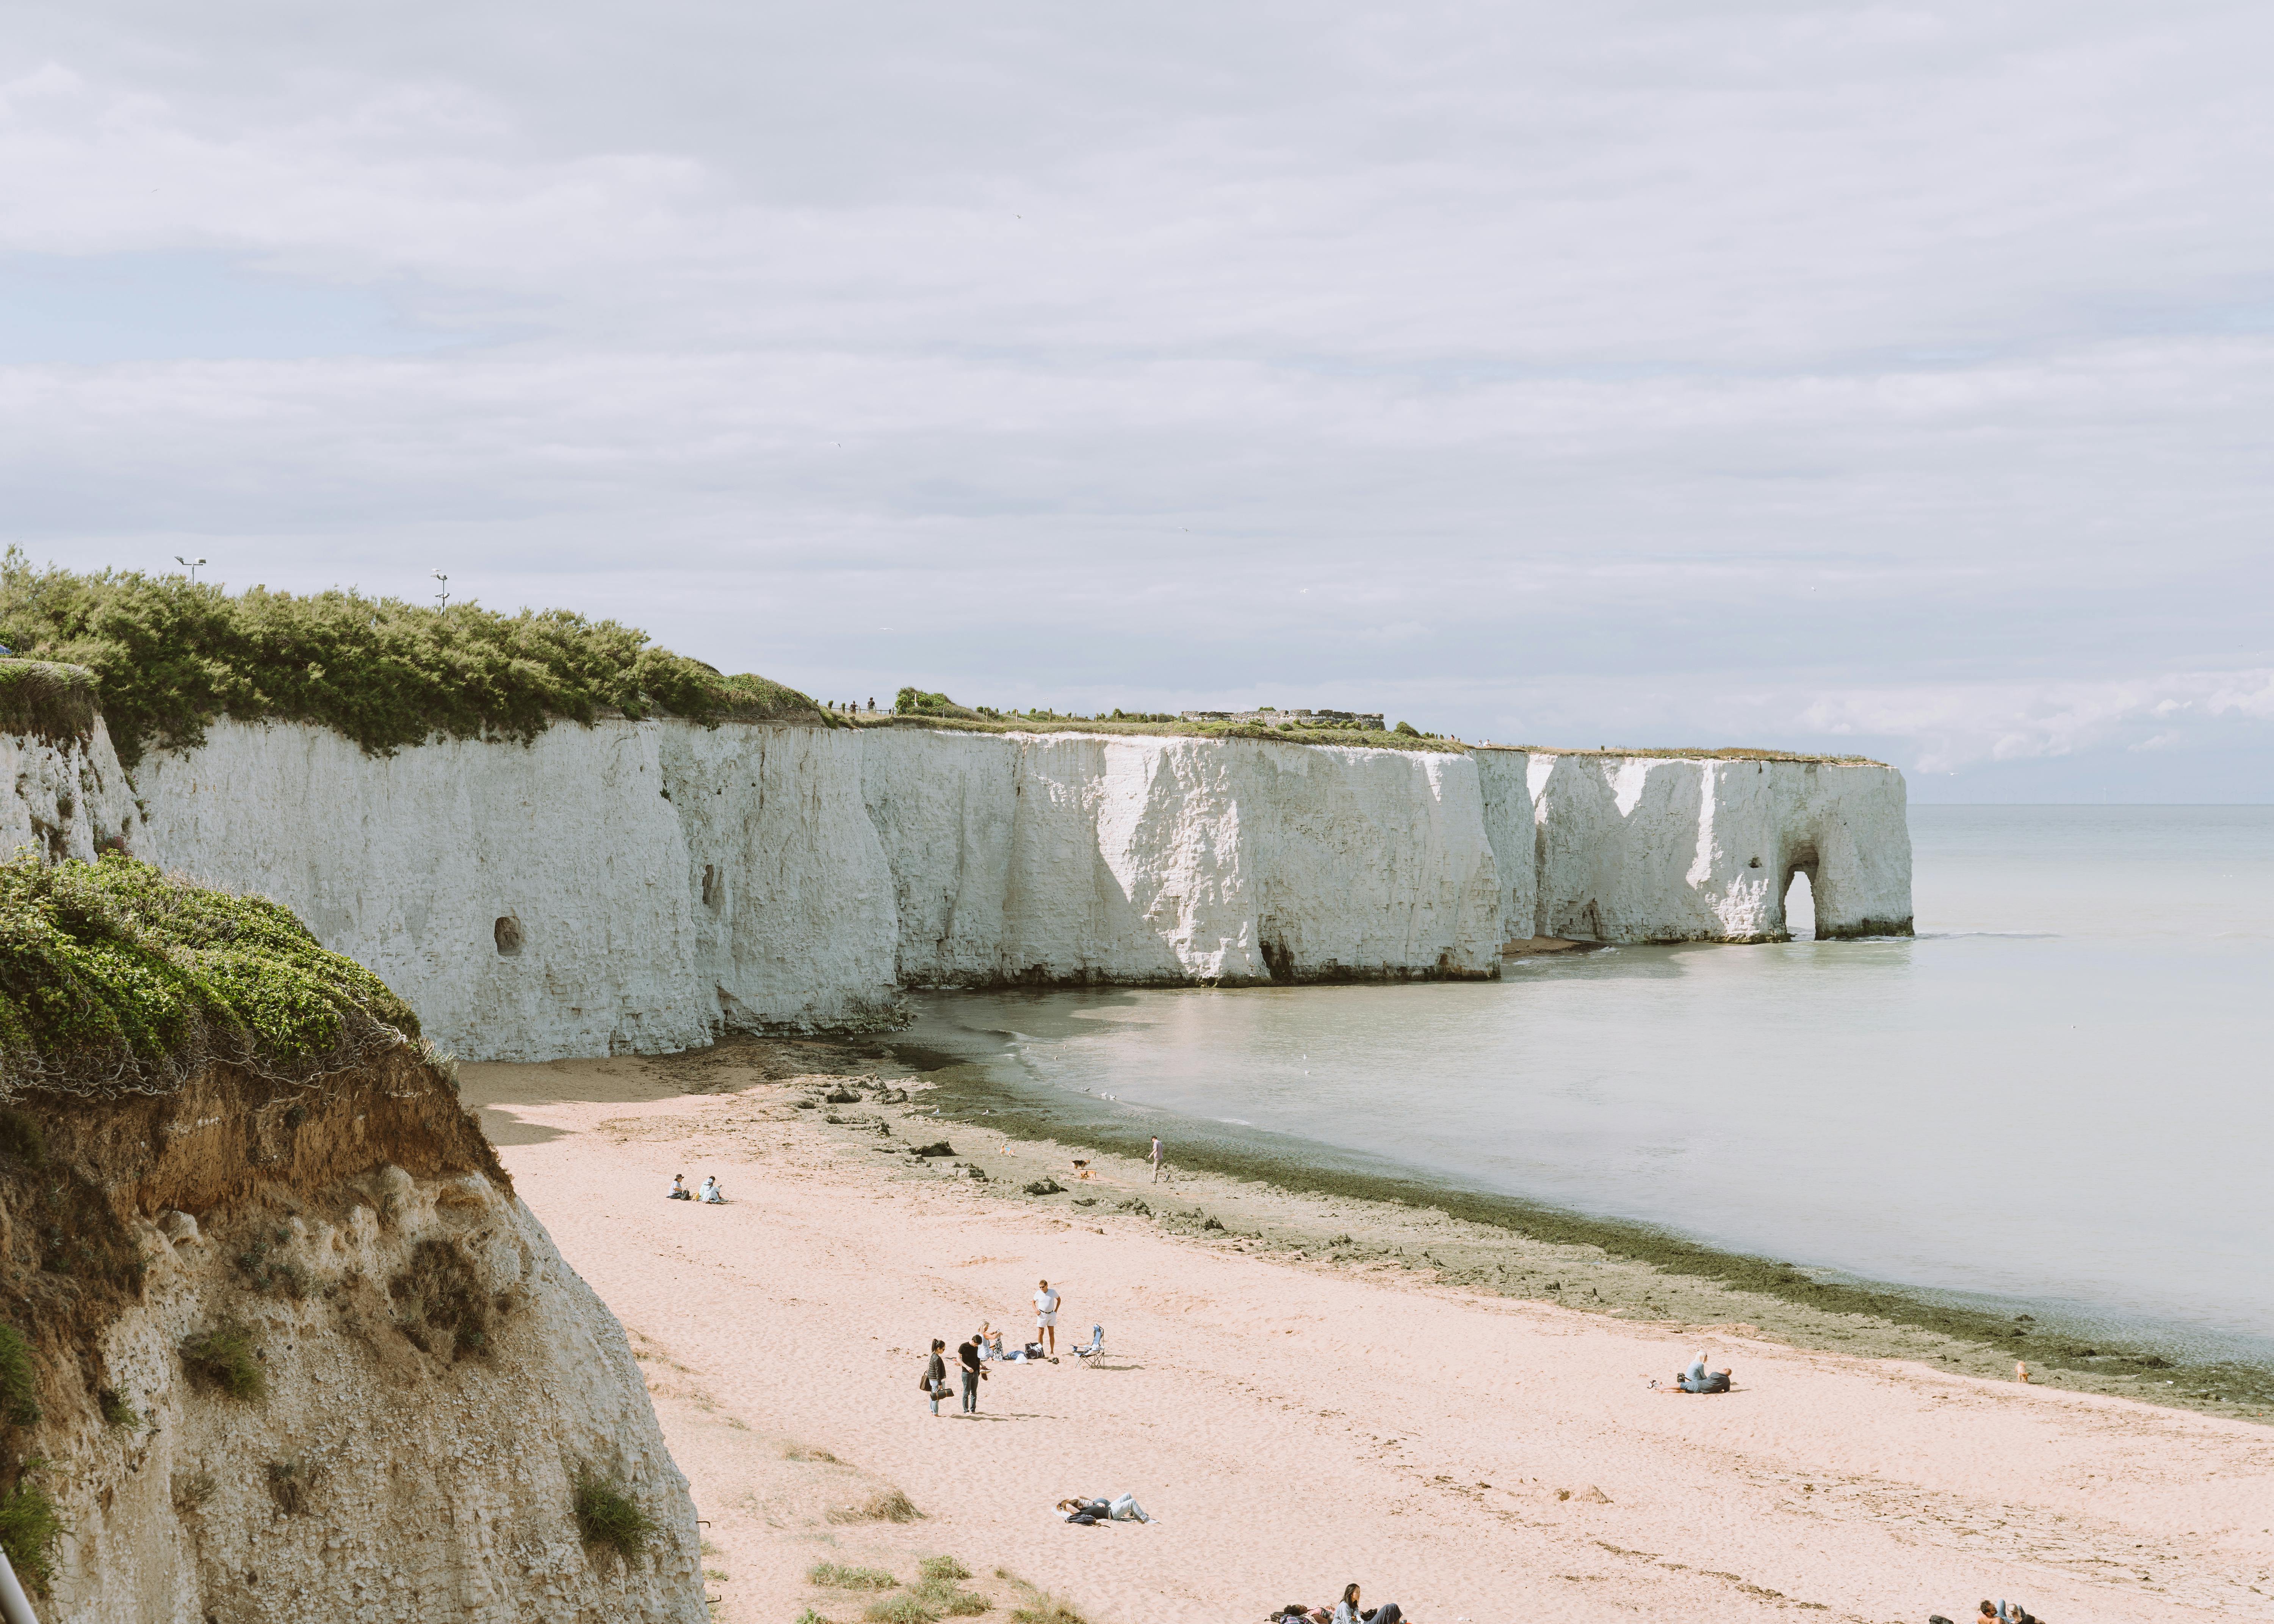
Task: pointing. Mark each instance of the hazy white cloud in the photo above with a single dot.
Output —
(1959, 726)
(1899, 376)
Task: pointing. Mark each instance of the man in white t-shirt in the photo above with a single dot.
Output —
(1046, 1316)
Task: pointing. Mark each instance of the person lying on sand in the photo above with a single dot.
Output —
(1347, 1610)
(1088, 1511)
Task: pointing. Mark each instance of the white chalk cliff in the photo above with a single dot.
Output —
(637, 885)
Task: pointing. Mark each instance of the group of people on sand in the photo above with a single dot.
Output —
(2002, 1612)
(712, 1194)
(985, 1346)
(1349, 1610)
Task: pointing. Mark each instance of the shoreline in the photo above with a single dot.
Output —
(1299, 1408)
(1809, 1308)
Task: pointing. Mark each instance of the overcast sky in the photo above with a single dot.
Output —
(1894, 379)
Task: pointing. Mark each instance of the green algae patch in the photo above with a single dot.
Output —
(167, 656)
(118, 979)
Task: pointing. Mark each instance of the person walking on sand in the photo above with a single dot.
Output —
(1046, 1315)
(974, 1373)
(934, 1376)
(1155, 1158)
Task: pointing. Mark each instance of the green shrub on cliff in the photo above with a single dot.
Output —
(170, 655)
(47, 700)
(117, 978)
(224, 1358)
(915, 702)
(19, 1381)
(613, 1523)
(30, 1526)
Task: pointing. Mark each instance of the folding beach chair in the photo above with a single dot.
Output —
(1094, 1346)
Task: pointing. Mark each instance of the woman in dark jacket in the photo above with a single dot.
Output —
(935, 1381)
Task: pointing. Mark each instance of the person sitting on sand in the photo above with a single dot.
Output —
(712, 1192)
(1698, 1378)
(990, 1340)
(679, 1190)
(1347, 1612)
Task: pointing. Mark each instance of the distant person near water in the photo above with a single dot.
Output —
(1046, 1316)
(974, 1373)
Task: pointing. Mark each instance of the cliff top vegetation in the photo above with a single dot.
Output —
(170, 655)
(915, 708)
(118, 979)
(1695, 753)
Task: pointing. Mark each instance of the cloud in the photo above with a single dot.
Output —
(1959, 726)
(1727, 373)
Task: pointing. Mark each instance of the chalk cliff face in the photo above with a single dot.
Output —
(435, 1376)
(1654, 849)
(1139, 858)
(624, 887)
(634, 886)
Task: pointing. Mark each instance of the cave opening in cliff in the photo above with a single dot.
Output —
(506, 934)
(1800, 907)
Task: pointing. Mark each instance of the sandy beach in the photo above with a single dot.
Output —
(1298, 1415)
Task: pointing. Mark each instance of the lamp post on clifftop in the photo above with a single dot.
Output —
(445, 594)
(191, 565)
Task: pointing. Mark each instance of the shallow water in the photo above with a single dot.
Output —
(2057, 1092)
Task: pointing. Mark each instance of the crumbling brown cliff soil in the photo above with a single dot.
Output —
(295, 1351)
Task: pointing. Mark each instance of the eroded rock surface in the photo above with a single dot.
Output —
(433, 1377)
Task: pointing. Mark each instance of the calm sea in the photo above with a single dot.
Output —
(2061, 1092)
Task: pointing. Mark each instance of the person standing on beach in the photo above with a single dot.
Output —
(973, 1375)
(1156, 1158)
(1046, 1315)
(935, 1380)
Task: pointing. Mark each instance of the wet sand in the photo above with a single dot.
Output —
(1308, 1388)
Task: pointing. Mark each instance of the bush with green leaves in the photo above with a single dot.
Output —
(117, 978)
(224, 1358)
(169, 655)
(19, 1380)
(30, 1525)
(609, 1518)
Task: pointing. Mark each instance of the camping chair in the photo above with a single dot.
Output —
(1095, 1346)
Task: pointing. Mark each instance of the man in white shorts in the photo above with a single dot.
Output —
(1046, 1316)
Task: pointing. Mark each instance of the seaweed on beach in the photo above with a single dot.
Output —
(2125, 1363)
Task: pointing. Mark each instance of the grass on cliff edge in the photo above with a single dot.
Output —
(114, 977)
(170, 655)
